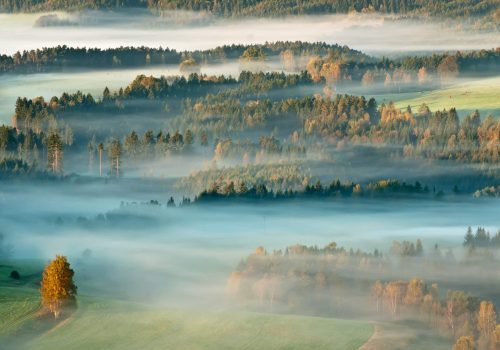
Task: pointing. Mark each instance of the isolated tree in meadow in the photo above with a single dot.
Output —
(57, 287)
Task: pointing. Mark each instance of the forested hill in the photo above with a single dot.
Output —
(53, 58)
(317, 58)
(239, 8)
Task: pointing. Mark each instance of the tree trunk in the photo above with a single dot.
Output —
(100, 163)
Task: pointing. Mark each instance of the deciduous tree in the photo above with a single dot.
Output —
(57, 287)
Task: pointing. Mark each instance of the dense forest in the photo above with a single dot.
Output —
(241, 191)
(323, 61)
(228, 8)
(63, 57)
(202, 111)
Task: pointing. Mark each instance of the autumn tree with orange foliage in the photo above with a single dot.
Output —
(314, 67)
(448, 68)
(495, 338)
(332, 72)
(57, 287)
(465, 343)
(486, 323)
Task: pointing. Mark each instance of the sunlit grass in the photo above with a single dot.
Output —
(113, 325)
(483, 94)
(103, 323)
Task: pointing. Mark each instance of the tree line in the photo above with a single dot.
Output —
(271, 8)
(335, 281)
(325, 63)
(63, 57)
(459, 315)
(213, 106)
(240, 190)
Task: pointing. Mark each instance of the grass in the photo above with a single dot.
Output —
(113, 325)
(101, 323)
(19, 299)
(482, 94)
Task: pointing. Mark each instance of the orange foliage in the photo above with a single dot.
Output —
(57, 288)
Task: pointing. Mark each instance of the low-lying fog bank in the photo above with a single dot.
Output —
(371, 33)
(181, 253)
(93, 82)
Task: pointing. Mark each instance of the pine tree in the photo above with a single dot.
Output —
(57, 287)
(54, 152)
(469, 238)
(101, 149)
(91, 148)
(114, 156)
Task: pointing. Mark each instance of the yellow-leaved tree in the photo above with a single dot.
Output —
(57, 287)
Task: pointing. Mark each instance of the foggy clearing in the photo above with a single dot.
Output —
(370, 33)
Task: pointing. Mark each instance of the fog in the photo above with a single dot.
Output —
(52, 84)
(87, 81)
(189, 252)
(373, 34)
(126, 243)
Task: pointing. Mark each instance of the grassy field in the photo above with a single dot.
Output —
(112, 325)
(19, 299)
(482, 94)
(101, 323)
(405, 335)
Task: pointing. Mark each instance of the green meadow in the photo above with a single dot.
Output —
(482, 94)
(103, 323)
